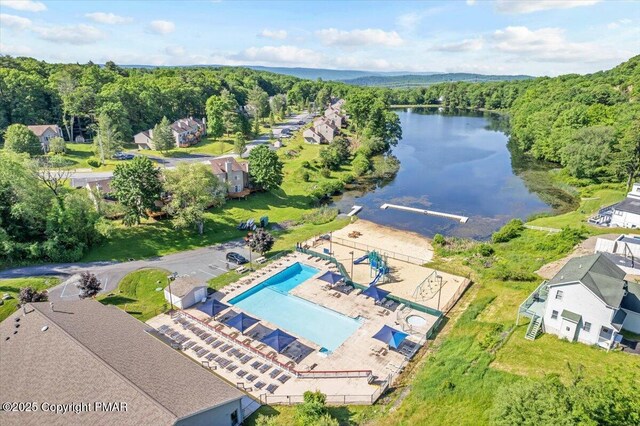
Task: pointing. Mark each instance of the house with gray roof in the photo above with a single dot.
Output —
(184, 292)
(186, 132)
(587, 301)
(46, 132)
(626, 213)
(83, 363)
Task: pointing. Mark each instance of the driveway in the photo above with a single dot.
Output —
(203, 263)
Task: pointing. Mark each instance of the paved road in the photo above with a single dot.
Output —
(203, 263)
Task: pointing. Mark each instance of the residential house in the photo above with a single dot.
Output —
(231, 172)
(100, 188)
(587, 301)
(184, 292)
(624, 251)
(310, 135)
(336, 118)
(86, 354)
(626, 213)
(186, 131)
(46, 132)
(325, 128)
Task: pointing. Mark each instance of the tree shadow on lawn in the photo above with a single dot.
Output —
(8, 289)
(117, 300)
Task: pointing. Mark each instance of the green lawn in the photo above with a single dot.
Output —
(140, 293)
(207, 145)
(79, 153)
(287, 204)
(13, 286)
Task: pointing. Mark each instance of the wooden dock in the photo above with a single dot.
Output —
(462, 219)
(354, 210)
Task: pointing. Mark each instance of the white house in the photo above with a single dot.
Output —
(626, 214)
(587, 301)
(185, 291)
(45, 133)
(624, 251)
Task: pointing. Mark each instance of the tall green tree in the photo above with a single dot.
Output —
(627, 159)
(216, 107)
(230, 115)
(18, 138)
(163, 139)
(239, 143)
(137, 186)
(265, 167)
(108, 139)
(189, 200)
(258, 101)
(589, 151)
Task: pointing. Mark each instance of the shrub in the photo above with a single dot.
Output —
(348, 178)
(305, 176)
(439, 240)
(93, 162)
(321, 215)
(306, 164)
(361, 164)
(485, 250)
(325, 173)
(508, 232)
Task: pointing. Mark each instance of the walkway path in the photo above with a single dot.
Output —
(203, 263)
(542, 228)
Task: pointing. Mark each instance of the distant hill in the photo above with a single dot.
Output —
(329, 74)
(419, 80)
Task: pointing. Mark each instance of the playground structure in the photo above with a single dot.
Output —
(429, 287)
(378, 266)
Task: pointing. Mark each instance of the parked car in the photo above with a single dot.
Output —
(236, 258)
(301, 122)
(123, 156)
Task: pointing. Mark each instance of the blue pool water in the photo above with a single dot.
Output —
(271, 301)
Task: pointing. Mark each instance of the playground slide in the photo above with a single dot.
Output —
(361, 259)
(377, 278)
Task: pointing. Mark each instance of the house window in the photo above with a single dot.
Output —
(554, 315)
(568, 329)
(234, 418)
(559, 294)
(587, 327)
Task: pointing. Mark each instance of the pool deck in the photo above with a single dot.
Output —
(356, 353)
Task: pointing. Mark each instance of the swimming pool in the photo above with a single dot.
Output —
(271, 301)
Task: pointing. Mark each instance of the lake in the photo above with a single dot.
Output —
(451, 163)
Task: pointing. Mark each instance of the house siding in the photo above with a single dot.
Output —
(625, 219)
(189, 299)
(576, 298)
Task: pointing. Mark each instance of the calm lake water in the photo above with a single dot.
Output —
(450, 163)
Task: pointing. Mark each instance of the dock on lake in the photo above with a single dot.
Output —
(354, 210)
(462, 219)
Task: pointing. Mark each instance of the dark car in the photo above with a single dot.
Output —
(123, 156)
(236, 258)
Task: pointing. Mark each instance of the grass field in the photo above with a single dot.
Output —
(287, 204)
(12, 288)
(138, 293)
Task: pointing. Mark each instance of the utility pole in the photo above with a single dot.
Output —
(351, 253)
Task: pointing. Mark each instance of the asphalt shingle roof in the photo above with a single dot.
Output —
(598, 273)
(91, 352)
(629, 205)
(181, 286)
(571, 316)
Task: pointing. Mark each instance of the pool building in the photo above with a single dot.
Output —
(300, 324)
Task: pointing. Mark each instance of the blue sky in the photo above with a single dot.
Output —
(537, 37)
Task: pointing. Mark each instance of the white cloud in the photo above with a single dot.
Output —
(273, 34)
(24, 5)
(617, 24)
(547, 45)
(175, 50)
(71, 34)
(369, 36)
(529, 6)
(108, 18)
(467, 45)
(13, 21)
(471, 2)
(291, 55)
(409, 21)
(13, 50)
(162, 27)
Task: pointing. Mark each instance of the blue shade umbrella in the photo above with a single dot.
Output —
(241, 322)
(330, 277)
(375, 292)
(278, 340)
(213, 307)
(390, 336)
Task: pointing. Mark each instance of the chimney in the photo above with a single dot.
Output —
(228, 165)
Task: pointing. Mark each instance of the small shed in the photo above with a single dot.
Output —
(184, 292)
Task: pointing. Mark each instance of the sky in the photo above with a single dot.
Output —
(534, 37)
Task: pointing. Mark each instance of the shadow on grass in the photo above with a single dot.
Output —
(117, 300)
